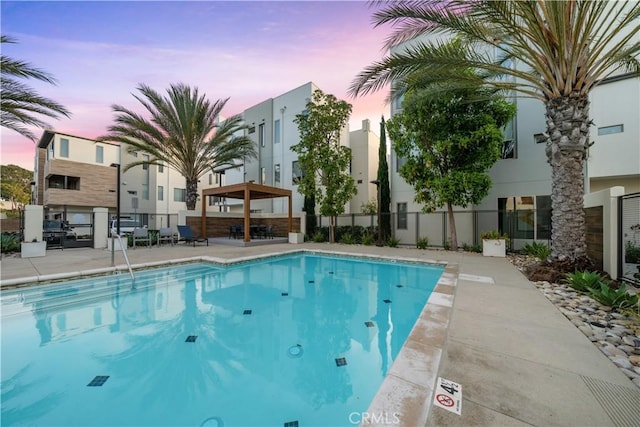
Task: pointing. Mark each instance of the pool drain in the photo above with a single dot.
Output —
(295, 350)
(212, 422)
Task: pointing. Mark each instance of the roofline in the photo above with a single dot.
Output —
(48, 134)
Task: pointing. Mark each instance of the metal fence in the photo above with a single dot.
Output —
(629, 238)
(522, 226)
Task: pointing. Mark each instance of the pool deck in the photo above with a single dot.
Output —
(518, 359)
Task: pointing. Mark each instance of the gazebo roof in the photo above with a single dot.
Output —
(256, 191)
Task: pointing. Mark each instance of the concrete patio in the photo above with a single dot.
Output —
(518, 359)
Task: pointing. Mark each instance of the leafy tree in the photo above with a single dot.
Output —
(383, 182)
(324, 162)
(183, 132)
(15, 184)
(369, 208)
(561, 50)
(20, 105)
(449, 144)
(310, 209)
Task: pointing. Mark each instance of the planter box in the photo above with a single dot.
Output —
(33, 249)
(494, 247)
(296, 238)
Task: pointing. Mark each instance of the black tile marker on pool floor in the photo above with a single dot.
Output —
(247, 312)
(291, 424)
(98, 381)
(341, 361)
(369, 324)
(388, 301)
(191, 338)
(285, 294)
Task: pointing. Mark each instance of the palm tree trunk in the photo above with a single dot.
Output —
(192, 194)
(568, 129)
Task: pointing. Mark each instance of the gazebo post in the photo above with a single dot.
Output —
(247, 215)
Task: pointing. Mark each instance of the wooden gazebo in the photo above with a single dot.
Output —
(247, 191)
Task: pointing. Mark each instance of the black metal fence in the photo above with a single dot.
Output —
(629, 238)
(522, 226)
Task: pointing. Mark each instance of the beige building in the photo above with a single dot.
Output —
(364, 146)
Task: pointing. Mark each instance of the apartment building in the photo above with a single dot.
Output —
(273, 130)
(522, 178)
(364, 144)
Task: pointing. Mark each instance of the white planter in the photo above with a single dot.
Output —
(296, 238)
(33, 249)
(494, 247)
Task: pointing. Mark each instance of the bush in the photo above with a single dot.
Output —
(393, 242)
(585, 281)
(319, 237)
(367, 239)
(631, 252)
(423, 242)
(9, 243)
(615, 298)
(493, 235)
(538, 250)
(472, 248)
(347, 239)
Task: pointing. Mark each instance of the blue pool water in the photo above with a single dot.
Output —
(301, 338)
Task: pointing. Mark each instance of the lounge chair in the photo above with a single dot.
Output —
(186, 235)
(166, 235)
(141, 235)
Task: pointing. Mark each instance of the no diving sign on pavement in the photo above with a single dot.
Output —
(448, 396)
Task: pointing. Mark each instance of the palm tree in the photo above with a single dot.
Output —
(183, 132)
(19, 102)
(562, 50)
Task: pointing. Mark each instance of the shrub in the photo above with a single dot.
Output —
(493, 235)
(393, 242)
(367, 239)
(585, 281)
(615, 298)
(472, 248)
(536, 249)
(423, 242)
(446, 245)
(347, 239)
(9, 243)
(631, 252)
(319, 237)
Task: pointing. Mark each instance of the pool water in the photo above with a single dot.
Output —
(300, 339)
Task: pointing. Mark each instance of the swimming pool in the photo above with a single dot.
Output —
(301, 339)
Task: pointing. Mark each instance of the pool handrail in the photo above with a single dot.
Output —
(114, 233)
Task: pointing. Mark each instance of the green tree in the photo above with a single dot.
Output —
(449, 144)
(20, 105)
(310, 209)
(324, 162)
(15, 184)
(383, 182)
(561, 50)
(183, 132)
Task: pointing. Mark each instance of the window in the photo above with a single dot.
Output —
(145, 177)
(252, 129)
(296, 172)
(145, 191)
(608, 130)
(51, 151)
(276, 132)
(276, 173)
(99, 154)
(160, 193)
(525, 217)
(160, 168)
(215, 200)
(539, 138)
(64, 147)
(63, 182)
(359, 181)
(509, 142)
(210, 179)
(145, 165)
(400, 161)
(543, 217)
(263, 175)
(217, 178)
(261, 134)
(402, 216)
(179, 195)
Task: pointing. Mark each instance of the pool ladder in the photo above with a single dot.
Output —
(123, 246)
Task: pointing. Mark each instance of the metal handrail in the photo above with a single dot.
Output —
(114, 233)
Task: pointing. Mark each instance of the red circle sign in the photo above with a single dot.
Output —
(444, 400)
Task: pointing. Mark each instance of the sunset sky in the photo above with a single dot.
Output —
(247, 51)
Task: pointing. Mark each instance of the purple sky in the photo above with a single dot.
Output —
(247, 51)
